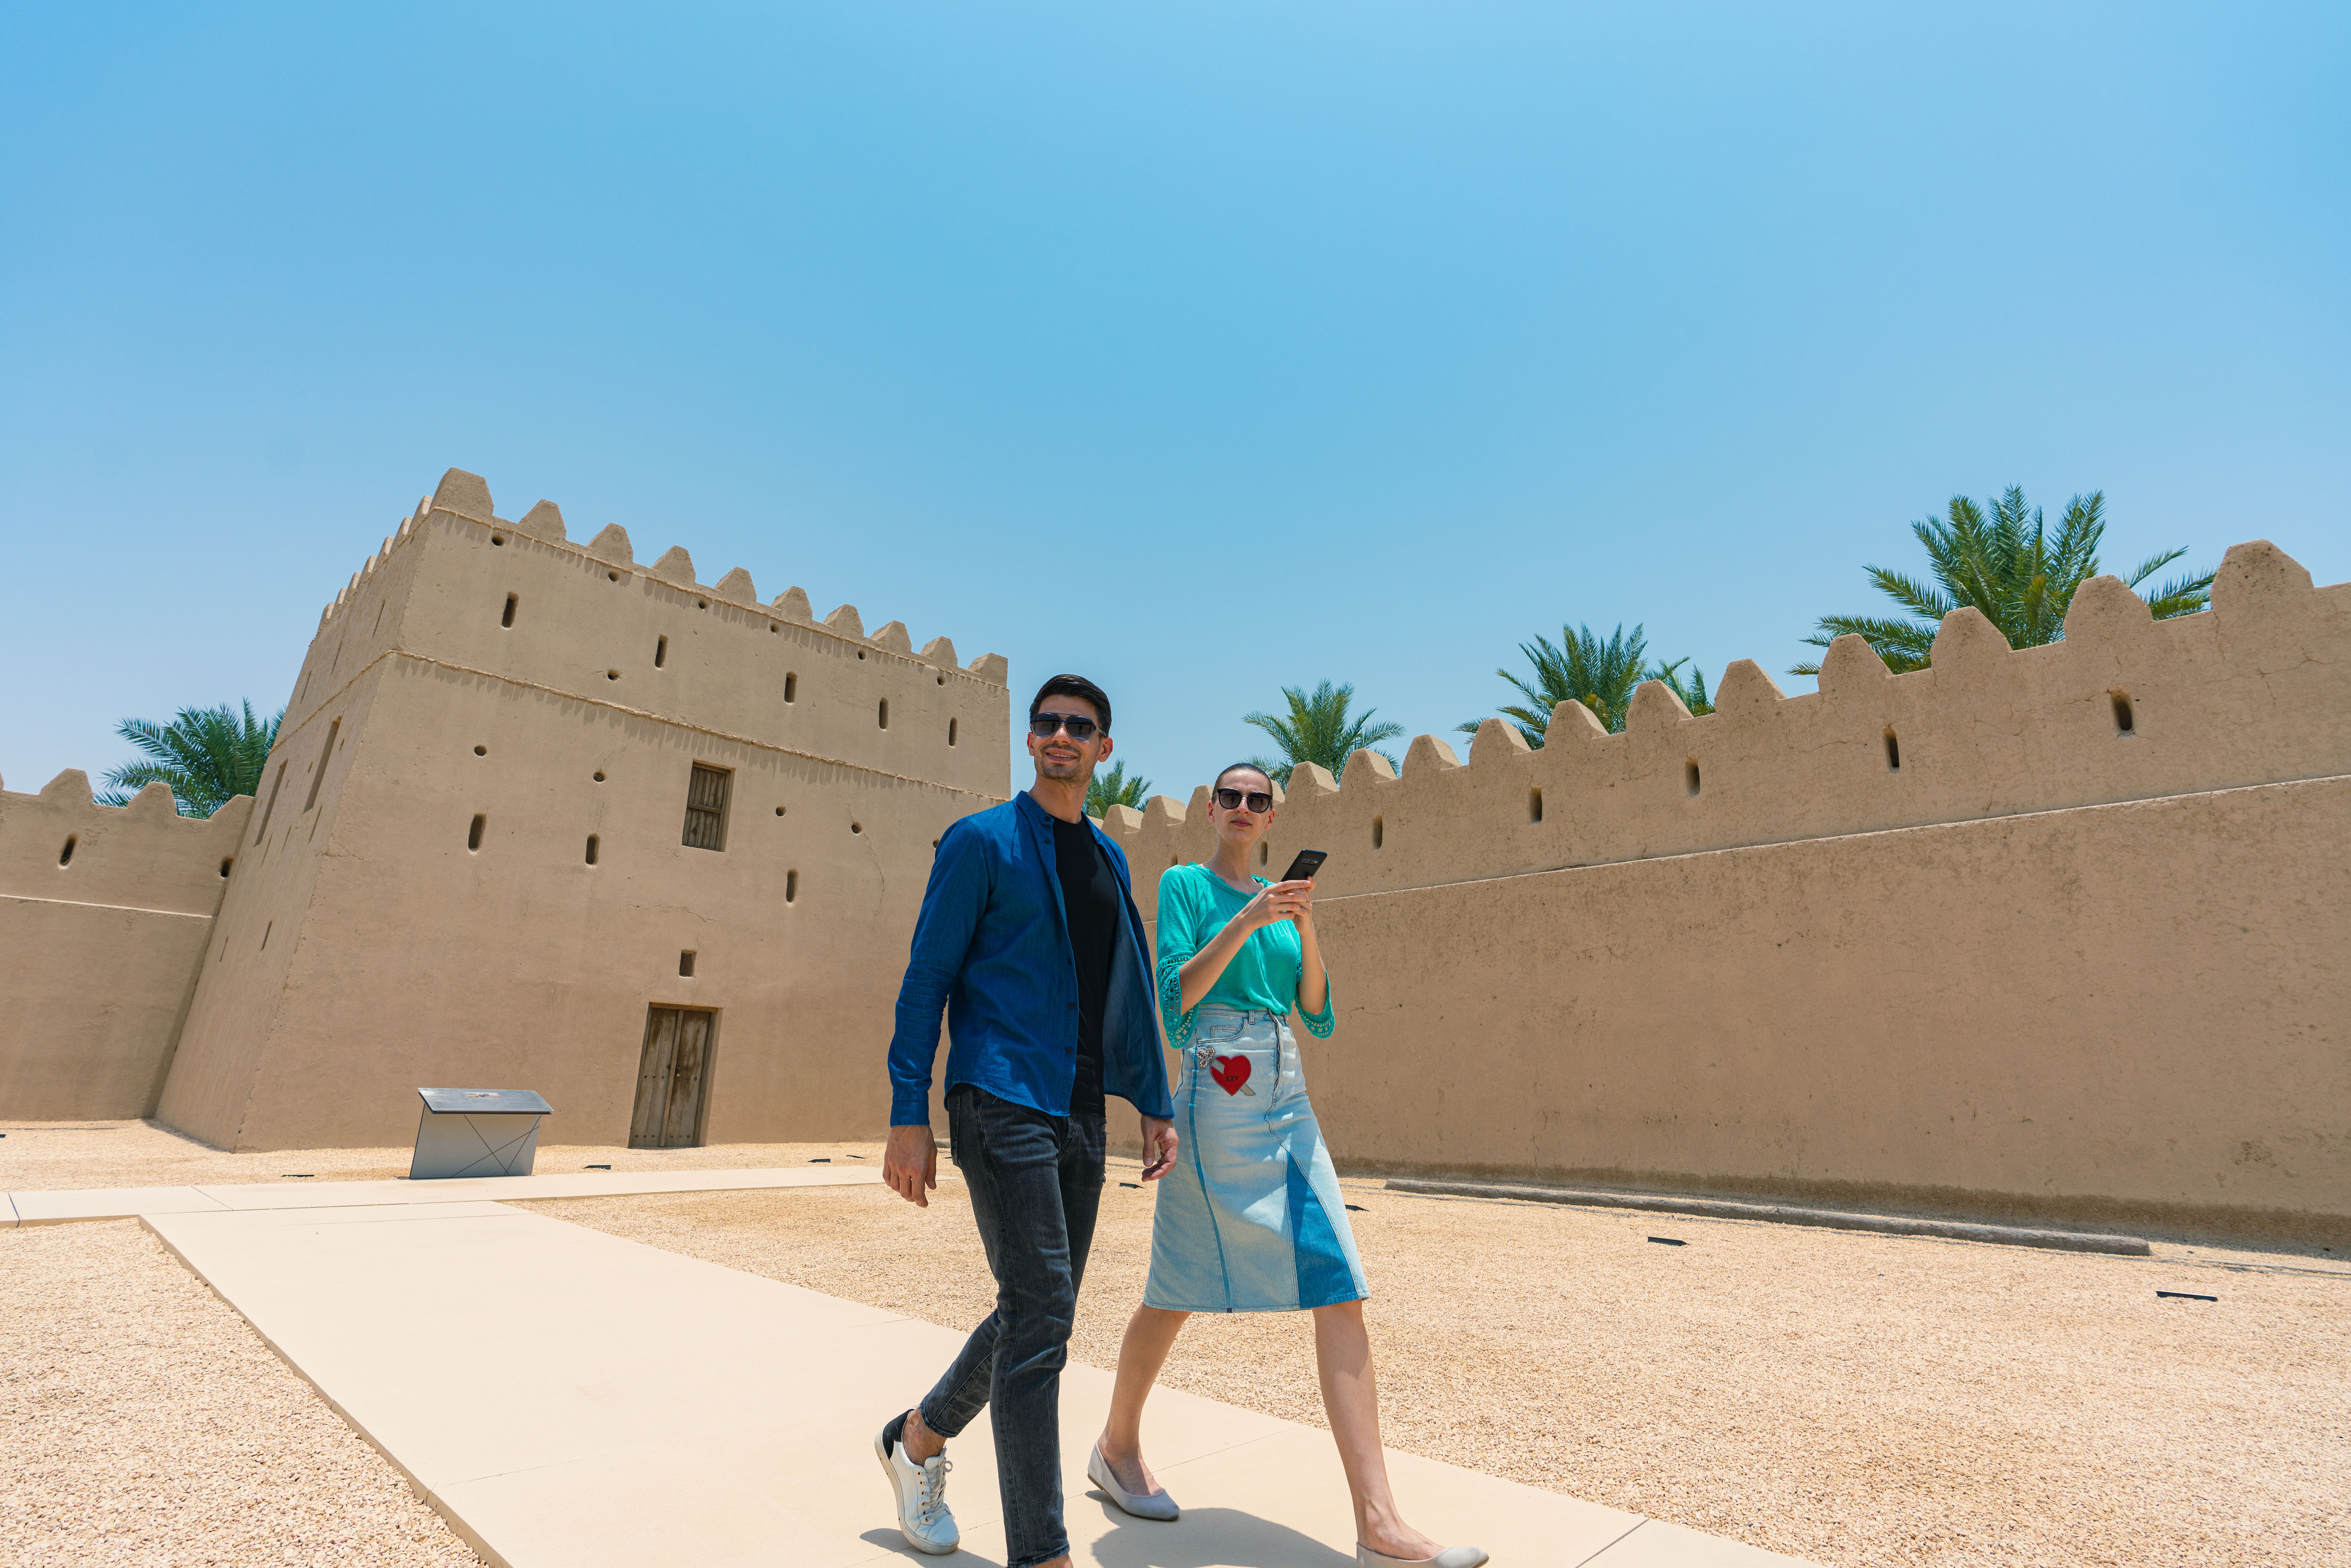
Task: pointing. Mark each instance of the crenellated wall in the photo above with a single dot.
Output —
(486, 700)
(2252, 693)
(104, 911)
(2058, 931)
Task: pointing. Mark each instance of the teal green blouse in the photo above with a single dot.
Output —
(1195, 903)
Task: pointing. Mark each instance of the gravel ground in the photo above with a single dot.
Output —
(1854, 1399)
(47, 1157)
(142, 1421)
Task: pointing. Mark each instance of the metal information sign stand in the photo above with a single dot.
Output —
(476, 1132)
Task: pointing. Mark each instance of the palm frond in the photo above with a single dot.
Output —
(1115, 788)
(207, 756)
(1318, 728)
(2006, 562)
(2181, 596)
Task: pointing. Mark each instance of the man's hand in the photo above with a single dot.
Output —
(911, 1163)
(1158, 1148)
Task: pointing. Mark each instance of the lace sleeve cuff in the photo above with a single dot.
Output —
(1320, 1025)
(1170, 1006)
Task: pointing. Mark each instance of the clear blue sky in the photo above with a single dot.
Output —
(1202, 349)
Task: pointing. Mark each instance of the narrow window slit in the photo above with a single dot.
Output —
(591, 849)
(661, 652)
(1893, 753)
(227, 863)
(275, 786)
(791, 886)
(319, 774)
(951, 732)
(791, 687)
(1534, 805)
(64, 856)
(2122, 701)
(885, 713)
(685, 963)
(1689, 774)
(1379, 831)
(507, 619)
(474, 833)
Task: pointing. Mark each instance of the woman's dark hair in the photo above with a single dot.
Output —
(1073, 687)
(1239, 767)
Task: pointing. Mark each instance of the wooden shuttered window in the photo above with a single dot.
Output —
(705, 808)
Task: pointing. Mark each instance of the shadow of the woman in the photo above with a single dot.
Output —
(1204, 1538)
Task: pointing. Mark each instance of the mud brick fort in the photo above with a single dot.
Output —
(538, 815)
(2059, 932)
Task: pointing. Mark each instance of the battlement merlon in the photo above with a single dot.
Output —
(465, 498)
(2255, 691)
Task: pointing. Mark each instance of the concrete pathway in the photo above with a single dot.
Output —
(571, 1399)
(67, 1205)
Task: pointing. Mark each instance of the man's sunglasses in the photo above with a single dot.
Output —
(1043, 724)
(1258, 801)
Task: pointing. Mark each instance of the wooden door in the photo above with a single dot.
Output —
(681, 1128)
(672, 1076)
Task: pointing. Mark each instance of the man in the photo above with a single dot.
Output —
(1030, 940)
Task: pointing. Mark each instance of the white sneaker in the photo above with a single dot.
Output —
(921, 1490)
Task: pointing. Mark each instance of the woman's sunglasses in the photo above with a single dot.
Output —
(1043, 724)
(1258, 801)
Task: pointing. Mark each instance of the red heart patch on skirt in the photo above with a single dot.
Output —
(1230, 1073)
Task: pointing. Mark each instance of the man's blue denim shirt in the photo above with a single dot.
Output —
(992, 948)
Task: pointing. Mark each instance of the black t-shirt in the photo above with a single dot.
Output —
(1090, 894)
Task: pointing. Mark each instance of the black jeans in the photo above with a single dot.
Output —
(1036, 1186)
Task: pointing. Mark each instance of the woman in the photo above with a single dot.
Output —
(1251, 1219)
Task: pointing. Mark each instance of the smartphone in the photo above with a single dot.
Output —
(1304, 867)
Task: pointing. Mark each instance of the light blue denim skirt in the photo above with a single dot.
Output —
(1250, 1219)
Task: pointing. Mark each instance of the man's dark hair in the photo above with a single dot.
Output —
(1073, 687)
(1237, 766)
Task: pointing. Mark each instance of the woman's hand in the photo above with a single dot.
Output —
(1283, 901)
(1292, 901)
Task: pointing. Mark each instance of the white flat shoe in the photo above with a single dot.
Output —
(1451, 1557)
(1158, 1505)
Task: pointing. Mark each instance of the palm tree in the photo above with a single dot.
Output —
(1602, 674)
(207, 754)
(1691, 691)
(1318, 730)
(2007, 566)
(1115, 788)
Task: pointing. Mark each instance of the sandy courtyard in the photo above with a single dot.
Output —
(1854, 1399)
